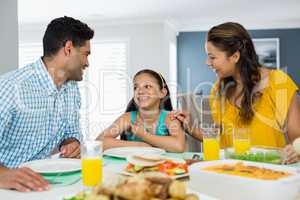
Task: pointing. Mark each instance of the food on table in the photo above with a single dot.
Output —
(272, 157)
(296, 145)
(146, 160)
(239, 169)
(139, 188)
(191, 197)
(177, 190)
(139, 164)
(149, 157)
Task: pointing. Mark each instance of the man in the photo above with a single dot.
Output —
(39, 105)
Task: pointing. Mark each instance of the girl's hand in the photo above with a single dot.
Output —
(184, 118)
(138, 130)
(289, 154)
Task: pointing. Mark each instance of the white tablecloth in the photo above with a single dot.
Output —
(58, 193)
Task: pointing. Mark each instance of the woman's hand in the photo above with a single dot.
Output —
(289, 154)
(184, 118)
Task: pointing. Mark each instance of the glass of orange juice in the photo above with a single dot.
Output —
(211, 143)
(241, 140)
(91, 157)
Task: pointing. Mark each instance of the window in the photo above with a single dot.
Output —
(29, 52)
(173, 73)
(105, 86)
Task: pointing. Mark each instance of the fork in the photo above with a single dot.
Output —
(61, 183)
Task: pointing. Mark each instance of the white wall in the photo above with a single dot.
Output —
(170, 39)
(148, 43)
(8, 35)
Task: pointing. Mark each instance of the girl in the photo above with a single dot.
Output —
(146, 121)
(248, 95)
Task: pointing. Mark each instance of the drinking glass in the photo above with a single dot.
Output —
(211, 143)
(91, 157)
(241, 140)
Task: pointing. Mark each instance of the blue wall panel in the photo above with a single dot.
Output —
(194, 74)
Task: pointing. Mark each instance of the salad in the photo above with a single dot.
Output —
(272, 157)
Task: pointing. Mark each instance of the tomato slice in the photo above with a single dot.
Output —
(129, 166)
(170, 164)
(162, 168)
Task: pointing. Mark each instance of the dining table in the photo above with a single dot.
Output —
(73, 183)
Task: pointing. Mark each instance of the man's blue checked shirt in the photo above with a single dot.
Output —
(35, 117)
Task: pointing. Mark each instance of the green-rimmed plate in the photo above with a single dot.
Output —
(54, 166)
(63, 179)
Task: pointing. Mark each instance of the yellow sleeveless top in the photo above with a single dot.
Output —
(267, 125)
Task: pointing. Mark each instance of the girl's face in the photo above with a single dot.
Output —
(147, 93)
(223, 65)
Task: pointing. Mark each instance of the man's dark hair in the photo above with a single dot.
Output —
(62, 29)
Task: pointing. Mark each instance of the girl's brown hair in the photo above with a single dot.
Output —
(165, 103)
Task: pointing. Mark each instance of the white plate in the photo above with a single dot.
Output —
(200, 195)
(123, 152)
(54, 166)
(147, 163)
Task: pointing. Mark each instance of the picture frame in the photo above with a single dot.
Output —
(267, 50)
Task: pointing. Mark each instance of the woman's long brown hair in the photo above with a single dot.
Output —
(232, 37)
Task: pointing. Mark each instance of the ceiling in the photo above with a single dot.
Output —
(184, 15)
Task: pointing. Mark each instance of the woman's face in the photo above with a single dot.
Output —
(147, 93)
(223, 65)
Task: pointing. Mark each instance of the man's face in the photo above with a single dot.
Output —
(78, 61)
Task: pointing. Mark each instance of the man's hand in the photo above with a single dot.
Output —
(22, 179)
(70, 148)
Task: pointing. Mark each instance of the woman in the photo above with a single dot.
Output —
(247, 94)
(146, 121)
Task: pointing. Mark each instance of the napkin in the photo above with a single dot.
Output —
(63, 179)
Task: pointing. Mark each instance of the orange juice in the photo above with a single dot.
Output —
(91, 171)
(241, 145)
(211, 147)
